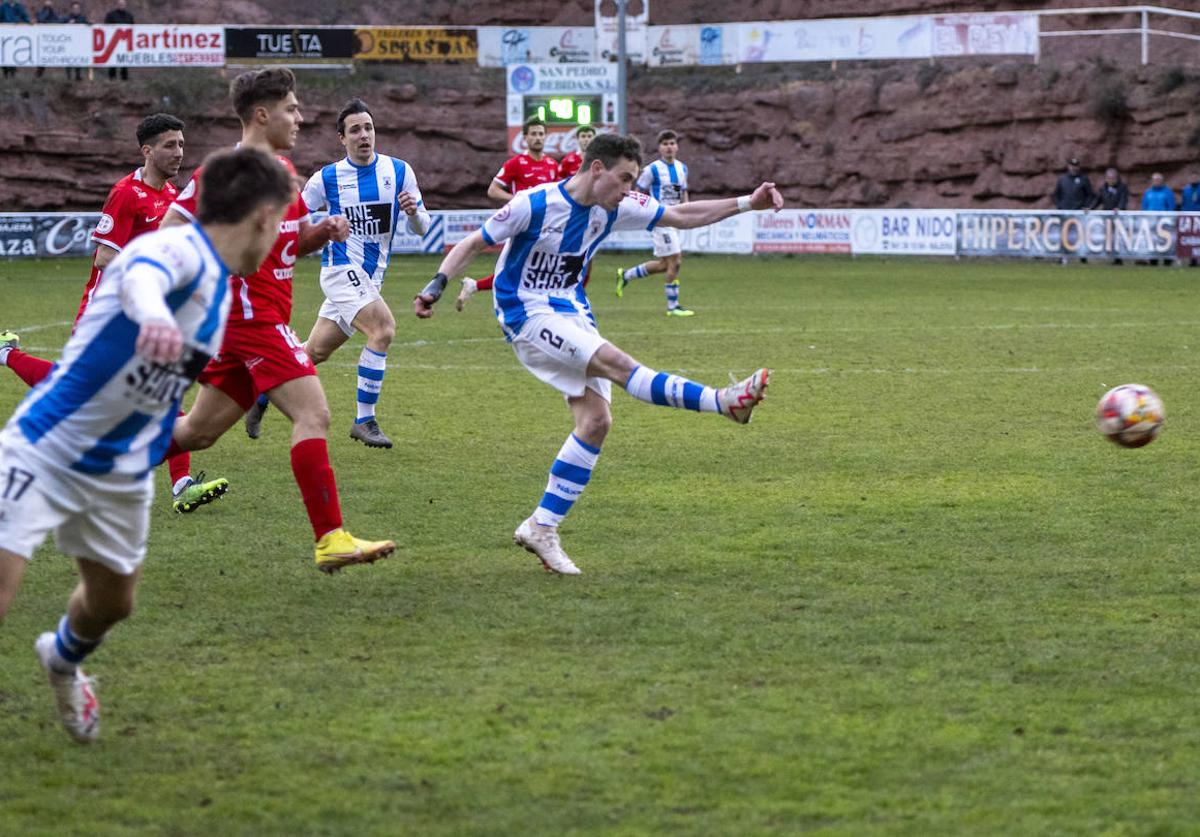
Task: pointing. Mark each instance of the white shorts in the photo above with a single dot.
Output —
(348, 290)
(667, 242)
(99, 518)
(557, 348)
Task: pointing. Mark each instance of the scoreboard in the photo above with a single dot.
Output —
(564, 96)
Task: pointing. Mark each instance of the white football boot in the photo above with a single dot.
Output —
(738, 400)
(543, 542)
(78, 708)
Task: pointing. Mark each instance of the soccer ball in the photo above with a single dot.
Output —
(1130, 415)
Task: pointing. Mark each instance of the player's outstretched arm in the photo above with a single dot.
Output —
(686, 216)
(456, 261)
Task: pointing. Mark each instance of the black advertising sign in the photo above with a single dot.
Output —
(283, 45)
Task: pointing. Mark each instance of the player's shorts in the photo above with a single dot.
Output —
(101, 518)
(667, 242)
(255, 358)
(347, 291)
(557, 348)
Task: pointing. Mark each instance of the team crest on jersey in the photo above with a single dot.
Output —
(387, 182)
(105, 225)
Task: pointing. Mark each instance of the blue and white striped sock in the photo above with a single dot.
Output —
(371, 366)
(70, 650)
(668, 390)
(672, 289)
(568, 476)
(638, 272)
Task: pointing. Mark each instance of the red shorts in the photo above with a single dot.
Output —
(255, 358)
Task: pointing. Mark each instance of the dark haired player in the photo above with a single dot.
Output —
(135, 205)
(76, 456)
(371, 190)
(261, 353)
(551, 233)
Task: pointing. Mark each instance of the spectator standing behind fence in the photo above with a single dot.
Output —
(12, 13)
(1112, 195)
(76, 15)
(1189, 201)
(121, 15)
(1158, 198)
(1073, 191)
(46, 14)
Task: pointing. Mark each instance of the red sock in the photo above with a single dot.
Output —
(485, 284)
(318, 488)
(179, 462)
(28, 368)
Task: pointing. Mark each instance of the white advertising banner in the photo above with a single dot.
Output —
(158, 46)
(908, 232)
(672, 46)
(500, 46)
(835, 39)
(802, 231)
(985, 34)
(61, 45)
(635, 32)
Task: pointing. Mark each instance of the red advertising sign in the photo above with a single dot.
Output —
(1187, 242)
(158, 46)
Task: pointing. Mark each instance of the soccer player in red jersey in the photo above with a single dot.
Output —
(135, 205)
(516, 175)
(260, 352)
(571, 163)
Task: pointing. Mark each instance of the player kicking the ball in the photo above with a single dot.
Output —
(551, 233)
(76, 457)
(260, 353)
(372, 191)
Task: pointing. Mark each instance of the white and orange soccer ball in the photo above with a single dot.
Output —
(1130, 415)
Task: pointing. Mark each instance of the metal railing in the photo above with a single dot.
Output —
(1143, 29)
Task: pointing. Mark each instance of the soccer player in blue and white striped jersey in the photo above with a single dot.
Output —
(76, 457)
(665, 180)
(372, 191)
(550, 234)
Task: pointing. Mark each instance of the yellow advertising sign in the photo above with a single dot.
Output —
(413, 45)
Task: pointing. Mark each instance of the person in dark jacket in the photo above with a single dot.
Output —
(1189, 201)
(76, 15)
(119, 15)
(12, 13)
(1073, 191)
(1113, 195)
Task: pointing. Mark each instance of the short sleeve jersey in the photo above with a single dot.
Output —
(133, 208)
(266, 295)
(665, 182)
(104, 409)
(549, 241)
(569, 165)
(369, 197)
(523, 172)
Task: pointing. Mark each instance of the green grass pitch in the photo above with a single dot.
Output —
(919, 594)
